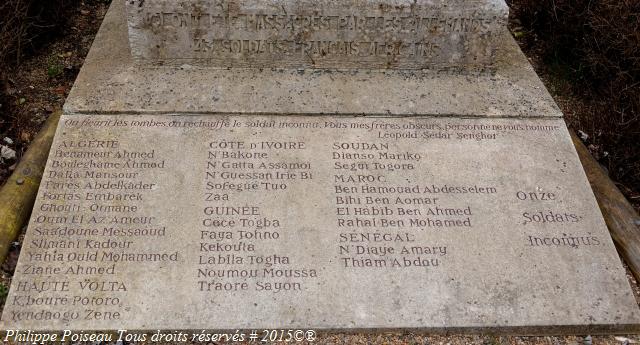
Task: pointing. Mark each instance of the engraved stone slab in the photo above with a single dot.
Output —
(399, 34)
(110, 82)
(222, 222)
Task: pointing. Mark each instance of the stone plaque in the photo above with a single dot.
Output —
(222, 222)
(388, 34)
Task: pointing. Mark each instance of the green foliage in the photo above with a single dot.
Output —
(54, 68)
(4, 291)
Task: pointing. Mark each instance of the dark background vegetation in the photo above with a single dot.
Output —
(27, 24)
(42, 46)
(588, 52)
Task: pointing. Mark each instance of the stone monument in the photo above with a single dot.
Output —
(328, 165)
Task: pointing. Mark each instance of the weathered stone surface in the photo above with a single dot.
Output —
(223, 222)
(110, 82)
(404, 34)
(163, 208)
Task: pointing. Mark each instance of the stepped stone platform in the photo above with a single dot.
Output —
(110, 82)
(200, 197)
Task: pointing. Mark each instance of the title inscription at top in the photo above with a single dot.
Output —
(318, 34)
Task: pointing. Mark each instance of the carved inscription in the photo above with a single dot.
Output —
(140, 216)
(91, 221)
(239, 239)
(319, 34)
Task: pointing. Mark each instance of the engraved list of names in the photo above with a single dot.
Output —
(309, 221)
